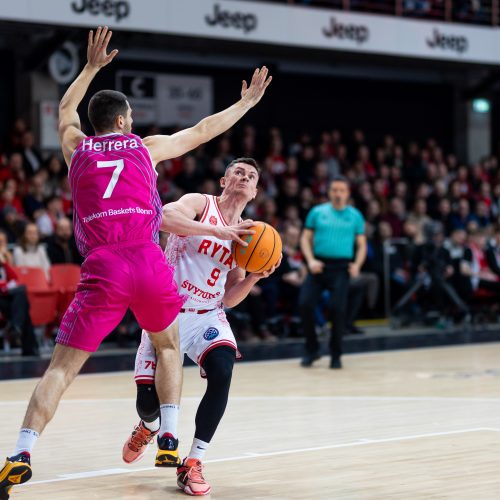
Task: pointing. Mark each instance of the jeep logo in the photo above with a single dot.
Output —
(237, 20)
(119, 9)
(355, 32)
(458, 44)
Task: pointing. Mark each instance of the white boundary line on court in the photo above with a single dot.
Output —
(375, 399)
(247, 456)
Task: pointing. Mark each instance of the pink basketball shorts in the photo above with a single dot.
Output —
(114, 278)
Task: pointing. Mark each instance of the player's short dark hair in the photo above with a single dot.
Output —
(104, 107)
(246, 161)
(340, 178)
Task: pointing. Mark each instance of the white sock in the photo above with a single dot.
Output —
(152, 426)
(169, 415)
(26, 441)
(198, 449)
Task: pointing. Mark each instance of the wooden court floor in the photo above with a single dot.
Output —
(418, 424)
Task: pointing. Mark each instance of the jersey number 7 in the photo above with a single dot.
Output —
(119, 165)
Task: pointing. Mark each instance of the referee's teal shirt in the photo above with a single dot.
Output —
(335, 231)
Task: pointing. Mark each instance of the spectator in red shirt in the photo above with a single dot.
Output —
(364, 158)
(275, 155)
(477, 177)
(396, 217)
(9, 198)
(484, 194)
(16, 134)
(14, 168)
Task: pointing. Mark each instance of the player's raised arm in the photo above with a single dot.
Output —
(70, 133)
(163, 147)
(179, 218)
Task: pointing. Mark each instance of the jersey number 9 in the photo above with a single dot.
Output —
(215, 276)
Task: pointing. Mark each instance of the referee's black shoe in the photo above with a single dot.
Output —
(335, 363)
(309, 358)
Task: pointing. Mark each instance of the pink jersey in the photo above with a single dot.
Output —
(113, 182)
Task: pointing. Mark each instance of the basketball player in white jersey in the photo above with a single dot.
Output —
(206, 273)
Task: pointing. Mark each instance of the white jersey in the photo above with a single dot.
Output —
(201, 263)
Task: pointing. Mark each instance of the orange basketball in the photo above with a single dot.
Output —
(263, 250)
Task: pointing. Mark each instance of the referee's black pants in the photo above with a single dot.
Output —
(335, 277)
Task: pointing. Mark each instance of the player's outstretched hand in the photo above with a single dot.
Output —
(266, 274)
(97, 47)
(253, 94)
(235, 232)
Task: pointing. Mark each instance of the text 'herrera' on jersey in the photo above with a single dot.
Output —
(113, 183)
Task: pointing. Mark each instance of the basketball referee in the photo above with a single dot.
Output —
(332, 231)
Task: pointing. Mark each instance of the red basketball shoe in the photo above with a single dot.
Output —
(190, 478)
(137, 444)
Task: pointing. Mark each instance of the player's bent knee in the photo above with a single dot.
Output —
(59, 377)
(218, 365)
(147, 403)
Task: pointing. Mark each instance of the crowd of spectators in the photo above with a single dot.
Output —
(447, 212)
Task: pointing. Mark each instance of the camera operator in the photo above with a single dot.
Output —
(432, 267)
(456, 246)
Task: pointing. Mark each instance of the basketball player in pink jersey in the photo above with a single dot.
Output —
(206, 273)
(117, 217)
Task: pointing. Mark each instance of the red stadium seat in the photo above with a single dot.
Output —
(65, 279)
(65, 276)
(42, 298)
(33, 278)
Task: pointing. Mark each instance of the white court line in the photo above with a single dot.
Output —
(247, 456)
(381, 399)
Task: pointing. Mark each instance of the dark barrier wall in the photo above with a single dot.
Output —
(7, 93)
